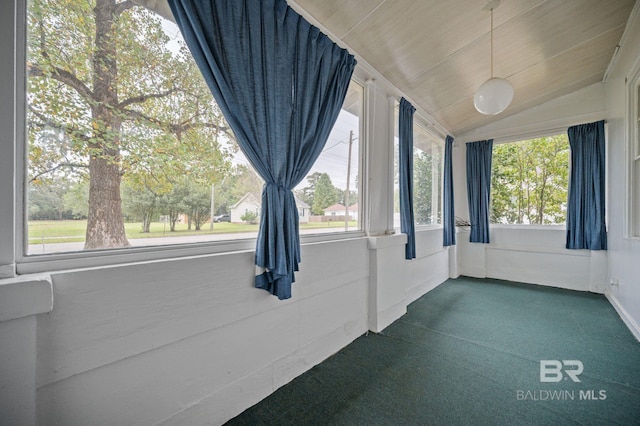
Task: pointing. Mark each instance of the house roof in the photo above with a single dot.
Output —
(335, 208)
(248, 197)
(300, 203)
(341, 208)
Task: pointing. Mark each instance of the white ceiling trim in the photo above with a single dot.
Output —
(635, 14)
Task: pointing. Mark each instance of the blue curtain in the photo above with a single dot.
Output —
(449, 216)
(585, 210)
(405, 170)
(280, 83)
(479, 188)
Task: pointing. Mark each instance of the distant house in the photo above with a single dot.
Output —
(250, 203)
(334, 210)
(304, 210)
(353, 211)
(339, 210)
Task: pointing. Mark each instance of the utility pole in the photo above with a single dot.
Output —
(212, 206)
(346, 196)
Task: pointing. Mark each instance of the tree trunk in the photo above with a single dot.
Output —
(146, 220)
(542, 200)
(105, 223)
(173, 218)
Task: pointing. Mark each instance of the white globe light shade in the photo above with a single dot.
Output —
(493, 96)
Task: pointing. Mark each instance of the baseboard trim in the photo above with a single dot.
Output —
(628, 320)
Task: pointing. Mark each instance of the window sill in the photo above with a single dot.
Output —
(561, 227)
(420, 228)
(98, 258)
(386, 241)
(25, 296)
(428, 227)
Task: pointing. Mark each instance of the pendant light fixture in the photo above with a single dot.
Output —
(495, 94)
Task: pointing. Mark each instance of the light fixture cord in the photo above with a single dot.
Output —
(491, 42)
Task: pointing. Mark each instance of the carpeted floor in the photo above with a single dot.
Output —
(469, 353)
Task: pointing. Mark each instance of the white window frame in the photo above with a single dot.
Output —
(29, 264)
(633, 154)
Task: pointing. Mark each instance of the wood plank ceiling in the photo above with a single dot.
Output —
(437, 51)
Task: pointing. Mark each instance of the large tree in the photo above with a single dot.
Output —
(104, 84)
(140, 204)
(320, 192)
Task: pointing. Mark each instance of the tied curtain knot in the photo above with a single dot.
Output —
(278, 186)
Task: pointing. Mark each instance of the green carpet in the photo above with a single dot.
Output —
(468, 353)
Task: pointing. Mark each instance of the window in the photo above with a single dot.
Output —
(428, 162)
(331, 188)
(634, 150)
(530, 180)
(126, 146)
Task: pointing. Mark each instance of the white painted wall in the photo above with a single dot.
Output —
(430, 267)
(191, 340)
(389, 278)
(395, 282)
(624, 252)
(20, 301)
(532, 254)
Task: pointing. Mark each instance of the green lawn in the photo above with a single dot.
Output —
(61, 231)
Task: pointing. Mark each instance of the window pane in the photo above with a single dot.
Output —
(125, 141)
(635, 199)
(428, 157)
(396, 169)
(529, 181)
(635, 169)
(126, 145)
(428, 161)
(332, 184)
(637, 124)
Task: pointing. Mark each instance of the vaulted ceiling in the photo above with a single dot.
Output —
(437, 51)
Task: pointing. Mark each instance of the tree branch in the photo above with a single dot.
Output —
(174, 128)
(63, 76)
(69, 131)
(56, 167)
(143, 98)
(121, 7)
